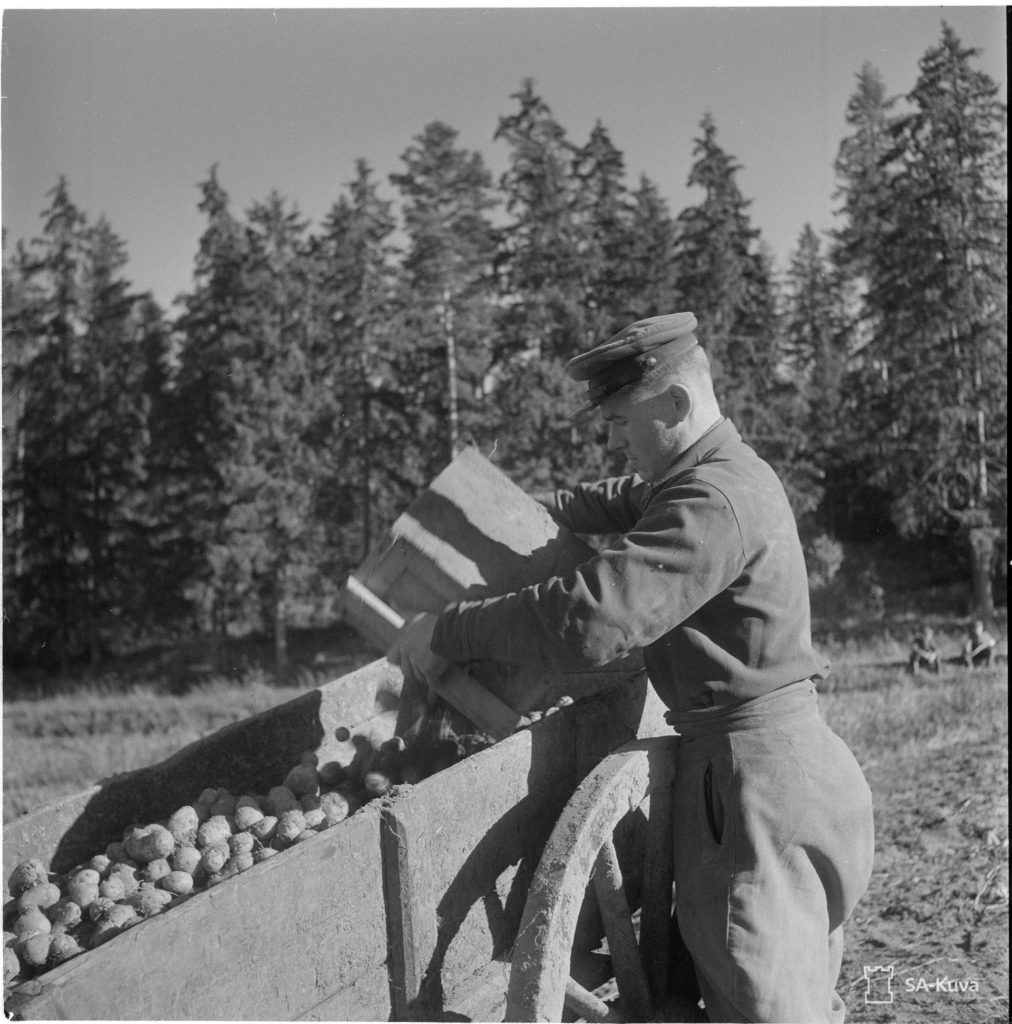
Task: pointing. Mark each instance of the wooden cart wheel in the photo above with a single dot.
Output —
(580, 849)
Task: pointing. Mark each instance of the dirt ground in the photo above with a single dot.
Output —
(936, 915)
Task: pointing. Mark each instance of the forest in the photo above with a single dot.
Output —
(220, 469)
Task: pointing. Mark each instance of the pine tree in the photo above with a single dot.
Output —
(818, 339)
(74, 370)
(725, 277)
(448, 300)
(540, 259)
(603, 221)
(355, 267)
(653, 288)
(213, 328)
(266, 549)
(937, 287)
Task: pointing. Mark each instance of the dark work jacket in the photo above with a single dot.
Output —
(708, 578)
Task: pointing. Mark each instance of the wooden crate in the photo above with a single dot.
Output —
(474, 533)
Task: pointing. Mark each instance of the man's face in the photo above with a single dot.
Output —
(642, 429)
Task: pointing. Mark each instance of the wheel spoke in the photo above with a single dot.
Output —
(618, 926)
(588, 1006)
(658, 875)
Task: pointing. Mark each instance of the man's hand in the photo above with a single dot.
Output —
(413, 653)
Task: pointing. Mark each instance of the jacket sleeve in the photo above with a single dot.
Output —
(609, 506)
(685, 550)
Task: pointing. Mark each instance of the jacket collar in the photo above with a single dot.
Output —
(721, 433)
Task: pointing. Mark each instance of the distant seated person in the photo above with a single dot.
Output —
(979, 647)
(924, 652)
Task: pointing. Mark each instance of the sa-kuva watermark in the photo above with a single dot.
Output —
(882, 985)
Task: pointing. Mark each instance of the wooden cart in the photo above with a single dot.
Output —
(463, 897)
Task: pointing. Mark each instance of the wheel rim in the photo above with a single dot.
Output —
(581, 848)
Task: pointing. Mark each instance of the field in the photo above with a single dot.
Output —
(934, 749)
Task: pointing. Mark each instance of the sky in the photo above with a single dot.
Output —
(134, 106)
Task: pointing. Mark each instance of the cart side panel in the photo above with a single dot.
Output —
(460, 849)
(300, 935)
(254, 754)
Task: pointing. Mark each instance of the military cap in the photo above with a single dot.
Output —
(622, 361)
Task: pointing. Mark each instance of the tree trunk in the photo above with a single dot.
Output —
(982, 540)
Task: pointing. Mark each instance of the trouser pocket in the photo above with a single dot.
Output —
(714, 806)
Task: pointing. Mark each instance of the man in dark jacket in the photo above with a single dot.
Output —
(773, 840)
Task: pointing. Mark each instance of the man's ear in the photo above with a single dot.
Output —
(679, 404)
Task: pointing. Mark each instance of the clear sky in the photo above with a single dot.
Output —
(134, 106)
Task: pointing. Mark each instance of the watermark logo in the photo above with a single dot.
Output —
(878, 984)
(879, 981)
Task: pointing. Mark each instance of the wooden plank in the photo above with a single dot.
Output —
(302, 934)
(254, 753)
(478, 704)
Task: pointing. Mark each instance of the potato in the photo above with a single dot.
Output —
(12, 965)
(242, 861)
(290, 824)
(377, 783)
(215, 857)
(183, 824)
(241, 842)
(335, 807)
(207, 797)
(129, 877)
(149, 900)
(264, 829)
(331, 773)
(310, 802)
(306, 834)
(149, 843)
(227, 872)
(215, 830)
(154, 870)
(224, 805)
(100, 908)
(179, 883)
(112, 888)
(264, 853)
(309, 757)
(34, 950)
(248, 801)
(41, 896)
(86, 876)
(62, 947)
(31, 922)
(117, 920)
(65, 914)
(316, 819)
(27, 875)
(116, 852)
(279, 800)
(83, 893)
(246, 817)
(100, 863)
(185, 858)
(302, 779)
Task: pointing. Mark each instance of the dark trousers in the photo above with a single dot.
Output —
(773, 849)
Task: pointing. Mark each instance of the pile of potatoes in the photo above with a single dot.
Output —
(51, 918)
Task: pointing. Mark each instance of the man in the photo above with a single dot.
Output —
(979, 648)
(924, 651)
(773, 838)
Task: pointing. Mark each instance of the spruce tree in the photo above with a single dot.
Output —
(447, 303)
(367, 481)
(937, 292)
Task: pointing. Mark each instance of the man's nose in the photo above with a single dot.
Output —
(614, 440)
